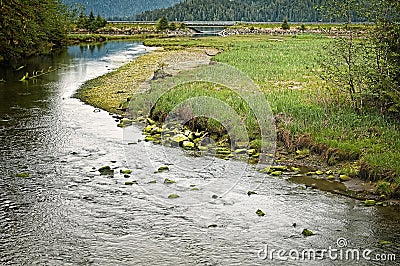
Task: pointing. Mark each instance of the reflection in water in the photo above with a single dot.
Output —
(67, 214)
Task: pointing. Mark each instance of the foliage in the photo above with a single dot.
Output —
(238, 10)
(121, 9)
(31, 27)
(285, 25)
(366, 63)
(90, 23)
(162, 23)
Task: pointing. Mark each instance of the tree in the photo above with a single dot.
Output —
(366, 64)
(162, 23)
(90, 23)
(385, 37)
(29, 27)
(285, 25)
(82, 21)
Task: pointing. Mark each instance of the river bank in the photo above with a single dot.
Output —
(292, 92)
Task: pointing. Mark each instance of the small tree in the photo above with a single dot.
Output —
(285, 25)
(172, 26)
(82, 22)
(162, 23)
(100, 22)
(91, 22)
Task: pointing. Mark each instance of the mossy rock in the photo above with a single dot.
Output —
(276, 173)
(202, 148)
(267, 170)
(330, 177)
(369, 203)
(152, 182)
(126, 171)
(150, 121)
(307, 232)
(279, 167)
(188, 145)
(150, 138)
(106, 170)
(222, 150)
(23, 175)
(344, 178)
(319, 172)
(295, 169)
(329, 172)
(179, 138)
(250, 192)
(195, 189)
(149, 128)
(260, 213)
(125, 123)
(240, 151)
(169, 181)
(251, 151)
(173, 196)
(382, 243)
(163, 169)
(130, 183)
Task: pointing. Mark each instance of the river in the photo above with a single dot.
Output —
(66, 213)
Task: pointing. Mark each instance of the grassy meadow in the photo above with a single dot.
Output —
(310, 113)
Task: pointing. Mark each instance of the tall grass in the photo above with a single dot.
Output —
(287, 70)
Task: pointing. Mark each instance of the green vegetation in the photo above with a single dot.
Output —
(307, 232)
(285, 25)
(238, 10)
(121, 9)
(162, 23)
(90, 22)
(24, 175)
(310, 112)
(32, 27)
(366, 64)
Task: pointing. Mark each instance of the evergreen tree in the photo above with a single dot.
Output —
(285, 25)
(82, 21)
(162, 23)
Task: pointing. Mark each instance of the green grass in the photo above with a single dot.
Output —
(286, 69)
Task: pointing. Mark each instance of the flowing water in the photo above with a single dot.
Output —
(66, 213)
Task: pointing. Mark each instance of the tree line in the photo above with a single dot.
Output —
(31, 27)
(238, 10)
(121, 9)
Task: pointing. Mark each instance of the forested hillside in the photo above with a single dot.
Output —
(239, 10)
(121, 9)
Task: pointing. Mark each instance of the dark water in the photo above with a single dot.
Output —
(66, 213)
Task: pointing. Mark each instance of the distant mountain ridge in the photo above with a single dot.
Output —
(121, 9)
(238, 10)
